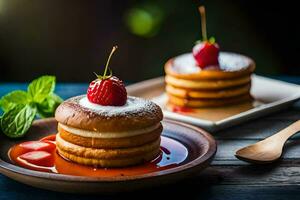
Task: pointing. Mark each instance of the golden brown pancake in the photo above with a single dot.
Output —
(110, 143)
(137, 113)
(187, 85)
(232, 66)
(108, 136)
(210, 94)
(124, 162)
(107, 157)
(198, 103)
(207, 84)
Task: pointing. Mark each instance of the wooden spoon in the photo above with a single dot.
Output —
(269, 149)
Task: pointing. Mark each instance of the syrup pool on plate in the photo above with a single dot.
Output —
(42, 156)
(214, 113)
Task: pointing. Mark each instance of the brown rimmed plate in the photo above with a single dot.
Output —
(200, 144)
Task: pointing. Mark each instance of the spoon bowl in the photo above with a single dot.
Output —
(269, 149)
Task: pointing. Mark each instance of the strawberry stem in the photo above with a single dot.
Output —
(108, 60)
(203, 22)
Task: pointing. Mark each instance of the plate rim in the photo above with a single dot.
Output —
(206, 158)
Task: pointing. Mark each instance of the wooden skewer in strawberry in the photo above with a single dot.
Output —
(107, 90)
(206, 52)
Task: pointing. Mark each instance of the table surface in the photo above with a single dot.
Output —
(226, 178)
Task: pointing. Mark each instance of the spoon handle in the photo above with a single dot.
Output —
(286, 133)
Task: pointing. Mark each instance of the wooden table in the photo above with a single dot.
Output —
(227, 177)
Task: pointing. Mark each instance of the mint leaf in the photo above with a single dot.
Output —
(20, 107)
(41, 87)
(12, 99)
(48, 106)
(16, 122)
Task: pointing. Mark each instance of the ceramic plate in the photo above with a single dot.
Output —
(270, 96)
(200, 145)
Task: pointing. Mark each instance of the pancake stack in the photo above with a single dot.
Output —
(108, 136)
(187, 85)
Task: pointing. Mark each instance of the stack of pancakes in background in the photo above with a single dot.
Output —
(108, 136)
(189, 86)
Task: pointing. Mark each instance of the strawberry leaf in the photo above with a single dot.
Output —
(212, 40)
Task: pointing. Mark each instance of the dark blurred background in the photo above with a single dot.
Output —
(72, 38)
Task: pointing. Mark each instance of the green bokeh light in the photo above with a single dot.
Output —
(144, 21)
(140, 22)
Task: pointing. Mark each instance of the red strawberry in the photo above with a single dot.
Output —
(37, 146)
(40, 158)
(107, 90)
(206, 54)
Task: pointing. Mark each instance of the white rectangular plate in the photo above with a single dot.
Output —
(271, 95)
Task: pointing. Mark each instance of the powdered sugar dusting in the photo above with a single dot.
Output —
(233, 62)
(133, 106)
(186, 64)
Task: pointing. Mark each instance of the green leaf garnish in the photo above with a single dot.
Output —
(48, 106)
(16, 122)
(21, 107)
(41, 87)
(12, 99)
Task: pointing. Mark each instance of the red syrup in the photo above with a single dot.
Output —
(173, 154)
(180, 109)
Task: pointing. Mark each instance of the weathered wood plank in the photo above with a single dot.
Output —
(196, 188)
(227, 149)
(291, 113)
(262, 127)
(230, 192)
(268, 175)
(257, 129)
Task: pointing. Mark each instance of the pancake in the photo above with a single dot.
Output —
(107, 157)
(207, 84)
(125, 162)
(187, 85)
(110, 143)
(232, 65)
(108, 136)
(136, 114)
(105, 153)
(198, 103)
(211, 94)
